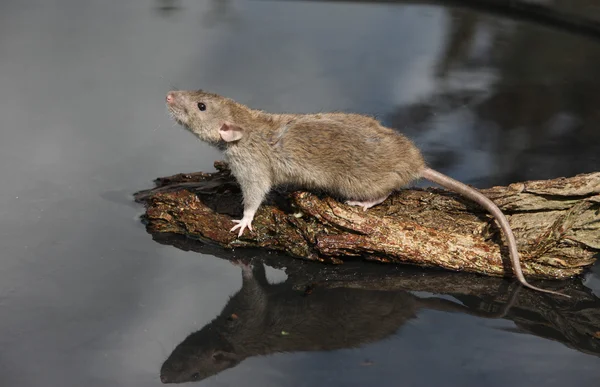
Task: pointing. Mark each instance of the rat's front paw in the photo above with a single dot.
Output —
(242, 224)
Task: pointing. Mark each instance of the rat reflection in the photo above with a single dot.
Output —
(263, 319)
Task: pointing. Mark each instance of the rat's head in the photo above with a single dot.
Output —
(199, 356)
(209, 116)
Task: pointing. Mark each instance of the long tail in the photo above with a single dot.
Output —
(471, 193)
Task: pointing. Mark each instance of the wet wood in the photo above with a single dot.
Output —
(556, 223)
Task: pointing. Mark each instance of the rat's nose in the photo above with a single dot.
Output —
(170, 97)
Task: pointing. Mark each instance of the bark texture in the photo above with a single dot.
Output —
(556, 223)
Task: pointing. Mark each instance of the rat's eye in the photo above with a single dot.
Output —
(201, 106)
(195, 376)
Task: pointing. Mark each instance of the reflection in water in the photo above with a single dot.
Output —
(263, 319)
(329, 309)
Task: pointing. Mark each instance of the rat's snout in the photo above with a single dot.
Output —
(170, 97)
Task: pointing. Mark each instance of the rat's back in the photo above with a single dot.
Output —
(349, 155)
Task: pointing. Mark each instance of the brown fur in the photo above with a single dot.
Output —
(350, 156)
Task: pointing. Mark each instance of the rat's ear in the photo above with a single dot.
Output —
(230, 132)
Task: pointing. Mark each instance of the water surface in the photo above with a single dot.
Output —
(88, 298)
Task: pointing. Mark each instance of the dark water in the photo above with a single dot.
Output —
(87, 298)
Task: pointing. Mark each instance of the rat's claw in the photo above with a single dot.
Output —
(358, 204)
(366, 204)
(242, 224)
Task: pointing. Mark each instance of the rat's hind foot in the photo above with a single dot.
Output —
(242, 224)
(368, 203)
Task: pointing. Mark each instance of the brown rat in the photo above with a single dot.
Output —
(351, 156)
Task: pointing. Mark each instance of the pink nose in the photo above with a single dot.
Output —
(170, 98)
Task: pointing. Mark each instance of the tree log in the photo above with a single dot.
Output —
(556, 223)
